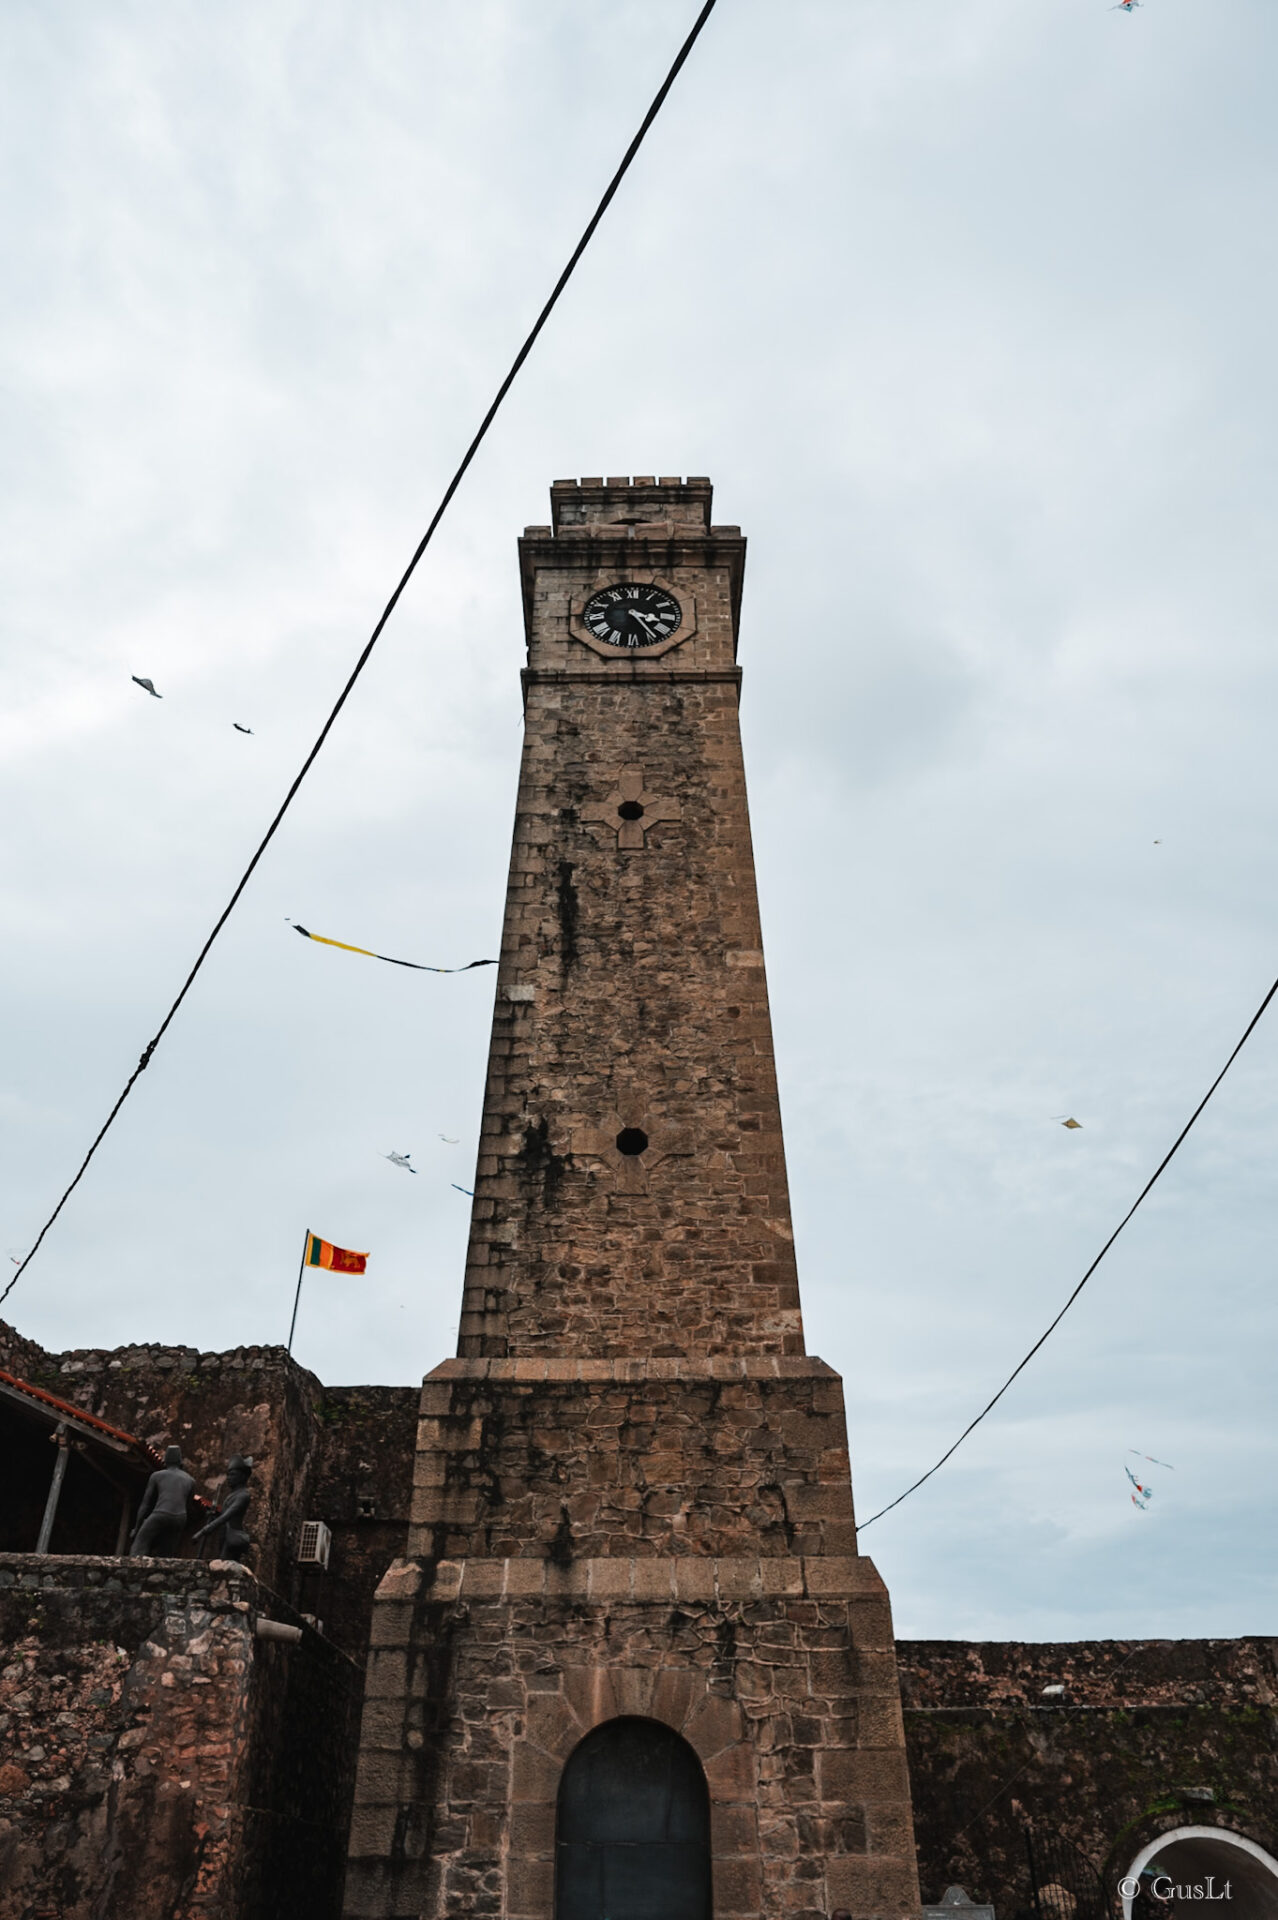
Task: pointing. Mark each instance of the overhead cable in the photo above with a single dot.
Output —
(1145, 1191)
(469, 455)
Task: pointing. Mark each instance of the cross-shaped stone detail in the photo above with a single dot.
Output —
(630, 809)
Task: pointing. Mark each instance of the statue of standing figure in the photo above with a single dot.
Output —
(236, 1495)
(164, 1509)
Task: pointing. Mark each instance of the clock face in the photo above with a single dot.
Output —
(630, 616)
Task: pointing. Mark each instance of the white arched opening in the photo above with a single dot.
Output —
(1208, 1857)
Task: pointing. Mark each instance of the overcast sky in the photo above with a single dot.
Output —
(968, 309)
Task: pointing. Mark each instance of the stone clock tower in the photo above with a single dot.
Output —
(633, 1667)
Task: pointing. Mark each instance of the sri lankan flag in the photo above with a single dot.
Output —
(322, 1253)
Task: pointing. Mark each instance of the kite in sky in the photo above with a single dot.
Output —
(1072, 1123)
(1125, 6)
(449, 1142)
(465, 1190)
(1144, 1494)
(148, 686)
(400, 1160)
(369, 954)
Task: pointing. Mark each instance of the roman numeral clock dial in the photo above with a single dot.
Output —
(632, 616)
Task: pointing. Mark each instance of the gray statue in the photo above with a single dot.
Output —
(162, 1512)
(236, 1495)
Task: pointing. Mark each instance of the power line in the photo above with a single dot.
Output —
(524, 351)
(1148, 1188)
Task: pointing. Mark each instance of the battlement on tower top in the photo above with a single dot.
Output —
(593, 504)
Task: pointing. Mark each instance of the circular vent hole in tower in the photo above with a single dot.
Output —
(630, 810)
(631, 1140)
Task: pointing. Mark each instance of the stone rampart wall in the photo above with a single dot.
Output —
(343, 1455)
(361, 1487)
(161, 1762)
(253, 1401)
(1147, 1736)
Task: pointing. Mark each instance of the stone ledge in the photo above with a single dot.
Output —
(642, 1580)
(223, 1586)
(68, 1572)
(1136, 1710)
(627, 670)
(537, 1368)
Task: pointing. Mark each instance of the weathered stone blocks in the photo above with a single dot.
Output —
(510, 1681)
(630, 1457)
(163, 1762)
(636, 1479)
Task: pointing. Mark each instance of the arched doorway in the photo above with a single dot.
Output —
(1205, 1858)
(632, 1839)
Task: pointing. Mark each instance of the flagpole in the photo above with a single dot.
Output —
(301, 1269)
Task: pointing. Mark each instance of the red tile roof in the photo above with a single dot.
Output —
(68, 1410)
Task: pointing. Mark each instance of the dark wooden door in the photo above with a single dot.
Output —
(633, 1837)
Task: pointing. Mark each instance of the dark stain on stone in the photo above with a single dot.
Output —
(435, 1630)
(776, 1511)
(541, 1162)
(560, 1551)
(568, 907)
(725, 1648)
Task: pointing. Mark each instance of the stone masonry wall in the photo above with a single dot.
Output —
(120, 1784)
(1148, 1736)
(627, 1001)
(19, 1355)
(598, 1457)
(483, 1678)
(361, 1487)
(631, 994)
(632, 1492)
(136, 1705)
(343, 1455)
(301, 1776)
(160, 1759)
(253, 1400)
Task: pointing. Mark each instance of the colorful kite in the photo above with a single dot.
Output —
(369, 954)
(1125, 6)
(148, 686)
(400, 1160)
(1144, 1494)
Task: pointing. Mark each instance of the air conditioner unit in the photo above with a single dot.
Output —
(312, 1549)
